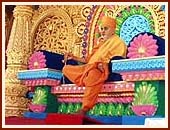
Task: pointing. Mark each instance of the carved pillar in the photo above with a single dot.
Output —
(18, 50)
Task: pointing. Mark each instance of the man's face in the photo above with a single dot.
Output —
(106, 31)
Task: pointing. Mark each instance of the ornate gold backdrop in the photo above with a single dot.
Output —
(60, 28)
(53, 28)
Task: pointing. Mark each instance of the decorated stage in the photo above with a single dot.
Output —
(38, 93)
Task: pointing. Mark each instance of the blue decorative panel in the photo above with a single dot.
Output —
(134, 25)
(140, 64)
(122, 120)
(39, 73)
(35, 115)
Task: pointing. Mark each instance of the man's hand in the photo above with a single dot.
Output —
(100, 67)
(68, 56)
(101, 39)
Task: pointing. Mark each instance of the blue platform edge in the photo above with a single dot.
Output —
(138, 64)
(40, 73)
(121, 120)
(35, 115)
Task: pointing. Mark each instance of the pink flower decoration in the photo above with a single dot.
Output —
(37, 60)
(39, 108)
(142, 46)
(144, 110)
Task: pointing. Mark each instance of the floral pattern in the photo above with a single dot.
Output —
(37, 60)
(142, 46)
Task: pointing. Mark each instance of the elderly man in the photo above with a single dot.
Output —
(94, 73)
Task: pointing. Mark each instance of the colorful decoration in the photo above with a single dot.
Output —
(36, 82)
(37, 108)
(35, 115)
(118, 87)
(62, 108)
(86, 30)
(103, 109)
(68, 88)
(139, 64)
(133, 20)
(70, 108)
(107, 87)
(114, 94)
(40, 96)
(144, 110)
(126, 99)
(46, 59)
(146, 94)
(117, 92)
(143, 75)
(128, 111)
(37, 60)
(132, 26)
(39, 74)
(142, 46)
(77, 107)
(110, 109)
(39, 101)
(145, 100)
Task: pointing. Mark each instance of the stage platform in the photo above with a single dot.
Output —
(53, 119)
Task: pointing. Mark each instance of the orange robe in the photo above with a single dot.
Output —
(89, 75)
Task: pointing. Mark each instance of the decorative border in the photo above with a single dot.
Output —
(143, 75)
(99, 100)
(103, 95)
(139, 64)
(39, 73)
(90, 19)
(36, 82)
(108, 87)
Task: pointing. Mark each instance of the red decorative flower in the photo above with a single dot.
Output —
(142, 46)
(37, 60)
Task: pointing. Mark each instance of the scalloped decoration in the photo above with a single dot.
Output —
(36, 82)
(134, 25)
(39, 74)
(127, 99)
(143, 75)
(38, 108)
(107, 87)
(144, 110)
(142, 46)
(138, 64)
(37, 60)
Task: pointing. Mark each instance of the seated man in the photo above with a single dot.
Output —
(95, 72)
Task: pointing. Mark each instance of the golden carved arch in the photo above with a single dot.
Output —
(52, 30)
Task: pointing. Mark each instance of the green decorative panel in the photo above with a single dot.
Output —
(159, 87)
